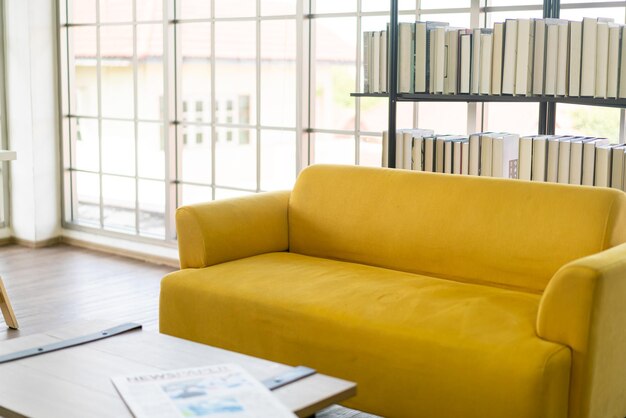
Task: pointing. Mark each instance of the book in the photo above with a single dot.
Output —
(562, 61)
(448, 160)
(375, 74)
(476, 62)
(509, 56)
(505, 156)
(452, 61)
(440, 153)
(617, 167)
(524, 165)
(429, 153)
(410, 139)
(622, 70)
(602, 177)
(420, 63)
(588, 58)
(486, 155)
(457, 155)
(575, 49)
(382, 80)
(405, 57)
(540, 155)
(465, 157)
(524, 57)
(474, 154)
(553, 159)
(437, 55)
(497, 56)
(486, 42)
(366, 62)
(417, 151)
(589, 159)
(564, 159)
(551, 59)
(539, 52)
(602, 58)
(407, 150)
(612, 77)
(576, 161)
(209, 391)
(465, 65)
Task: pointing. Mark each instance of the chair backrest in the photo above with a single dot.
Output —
(507, 233)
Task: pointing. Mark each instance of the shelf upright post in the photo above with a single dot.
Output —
(555, 12)
(392, 79)
(543, 106)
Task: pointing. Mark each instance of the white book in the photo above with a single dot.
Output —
(551, 59)
(375, 75)
(440, 153)
(486, 155)
(622, 71)
(576, 161)
(486, 41)
(465, 70)
(564, 159)
(539, 56)
(510, 54)
(382, 81)
(417, 163)
(602, 58)
(474, 154)
(524, 166)
(407, 149)
(562, 81)
(465, 157)
(366, 61)
(505, 156)
(552, 169)
(447, 156)
(575, 49)
(602, 176)
(617, 167)
(612, 78)
(476, 62)
(420, 61)
(405, 57)
(437, 59)
(385, 155)
(540, 156)
(524, 57)
(457, 156)
(588, 60)
(589, 159)
(452, 60)
(429, 154)
(497, 56)
(624, 176)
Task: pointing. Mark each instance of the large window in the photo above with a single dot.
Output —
(171, 102)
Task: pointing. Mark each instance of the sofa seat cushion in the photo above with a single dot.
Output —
(420, 346)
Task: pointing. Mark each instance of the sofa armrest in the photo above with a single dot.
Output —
(584, 307)
(225, 230)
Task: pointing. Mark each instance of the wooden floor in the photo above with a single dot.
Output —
(53, 286)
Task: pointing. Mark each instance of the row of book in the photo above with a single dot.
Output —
(548, 158)
(524, 57)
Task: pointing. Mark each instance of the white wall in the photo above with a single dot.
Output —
(33, 130)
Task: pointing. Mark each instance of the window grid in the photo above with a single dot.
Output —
(4, 178)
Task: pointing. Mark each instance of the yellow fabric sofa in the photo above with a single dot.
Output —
(441, 296)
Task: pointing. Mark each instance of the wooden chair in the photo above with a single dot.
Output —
(7, 309)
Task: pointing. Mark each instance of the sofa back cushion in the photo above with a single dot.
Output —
(508, 233)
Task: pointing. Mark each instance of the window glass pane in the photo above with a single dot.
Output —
(235, 72)
(503, 16)
(278, 73)
(195, 79)
(83, 71)
(278, 7)
(151, 151)
(235, 158)
(235, 8)
(196, 158)
(443, 118)
(383, 6)
(333, 149)
(334, 6)
(150, 71)
(149, 10)
(195, 194)
(371, 151)
(617, 13)
(87, 146)
(445, 4)
(229, 194)
(335, 78)
(87, 188)
(118, 194)
(194, 9)
(278, 160)
(118, 147)
(116, 11)
(505, 117)
(82, 11)
(508, 2)
(152, 208)
(116, 51)
(461, 20)
(588, 121)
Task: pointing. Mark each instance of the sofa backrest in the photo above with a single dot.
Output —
(508, 233)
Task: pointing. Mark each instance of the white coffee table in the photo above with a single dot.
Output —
(76, 382)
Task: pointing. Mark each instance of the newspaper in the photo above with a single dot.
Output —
(223, 390)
